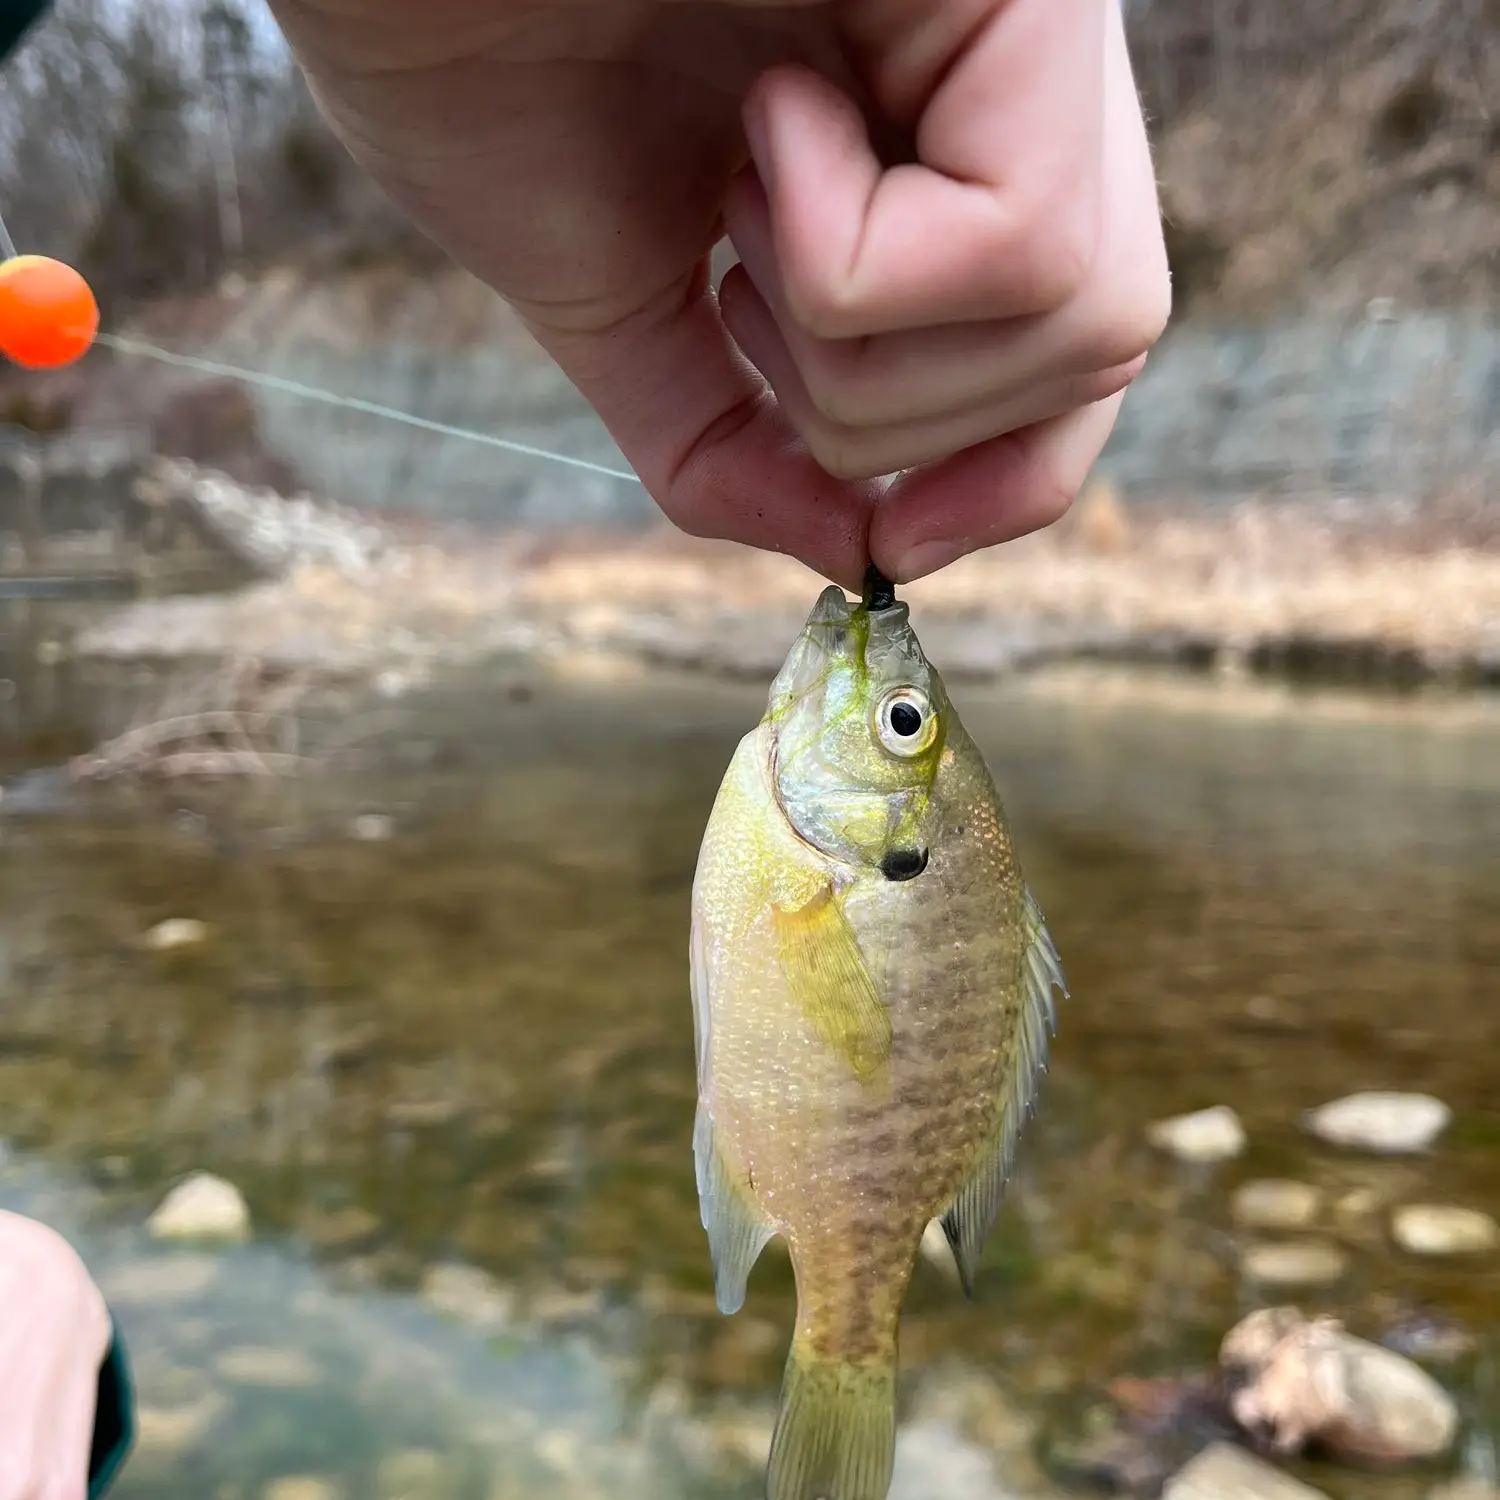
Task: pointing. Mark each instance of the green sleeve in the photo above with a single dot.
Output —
(114, 1419)
(16, 17)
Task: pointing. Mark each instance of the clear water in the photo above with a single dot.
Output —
(471, 1042)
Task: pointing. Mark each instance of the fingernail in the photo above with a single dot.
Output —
(928, 557)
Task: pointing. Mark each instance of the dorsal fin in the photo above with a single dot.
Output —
(969, 1219)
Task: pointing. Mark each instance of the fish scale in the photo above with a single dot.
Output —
(872, 997)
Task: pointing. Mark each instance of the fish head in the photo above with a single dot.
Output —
(857, 719)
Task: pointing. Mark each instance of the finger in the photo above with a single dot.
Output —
(990, 494)
(857, 452)
(998, 218)
(925, 374)
(707, 438)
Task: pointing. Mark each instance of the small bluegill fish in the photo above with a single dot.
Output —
(872, 1002)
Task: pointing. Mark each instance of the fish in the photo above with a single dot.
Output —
(874, 994)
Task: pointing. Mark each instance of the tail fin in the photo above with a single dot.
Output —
(836, 1431)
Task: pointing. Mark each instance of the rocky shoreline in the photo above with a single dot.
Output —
(1321, 592)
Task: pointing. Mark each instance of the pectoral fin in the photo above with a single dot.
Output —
(737, 1229)
(968, 1222)
(827, 974)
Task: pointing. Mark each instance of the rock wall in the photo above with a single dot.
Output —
(1379, 406)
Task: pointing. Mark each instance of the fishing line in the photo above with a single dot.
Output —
(7, 245)
(138, 348)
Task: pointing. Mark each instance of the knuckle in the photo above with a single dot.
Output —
(839, 452)
(836, 386)
(1131, 329)
(825, 303)
(1049, 252)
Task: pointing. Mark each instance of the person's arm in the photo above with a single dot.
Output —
(66, 1414)
(16, 19)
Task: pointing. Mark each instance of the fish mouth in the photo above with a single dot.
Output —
(903, 864)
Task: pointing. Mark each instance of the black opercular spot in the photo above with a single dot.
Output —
(903, 864)
(906, 720)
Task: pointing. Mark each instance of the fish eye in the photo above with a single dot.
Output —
(905, 721)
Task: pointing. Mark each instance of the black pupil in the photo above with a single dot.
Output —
(906, 720)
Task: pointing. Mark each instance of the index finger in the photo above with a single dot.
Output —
(999, 215)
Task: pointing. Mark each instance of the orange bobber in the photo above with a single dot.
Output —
(48, 315)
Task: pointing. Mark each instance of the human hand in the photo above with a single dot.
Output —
(970, 315)
(54, 1334)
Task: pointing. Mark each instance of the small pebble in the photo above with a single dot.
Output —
(175, 932)
(201, 1207)
(1443, 1229)
(302, 1487)
(1388, 1124)
(1225, 1471)
(372, 828)
(467, 1295)
(267, 1365)
(1273, 1203)
(1207, 1135)
(1294, 1263)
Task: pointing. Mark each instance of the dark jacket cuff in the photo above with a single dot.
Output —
(114, 1419)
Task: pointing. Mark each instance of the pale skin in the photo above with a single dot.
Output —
(54, 1334)
(951, 257)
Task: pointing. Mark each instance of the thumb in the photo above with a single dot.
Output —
(703, 431)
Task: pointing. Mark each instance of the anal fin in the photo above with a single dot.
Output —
(737, 1228)
(971, 1216)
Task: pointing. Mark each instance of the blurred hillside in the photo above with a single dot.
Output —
(1330, 174)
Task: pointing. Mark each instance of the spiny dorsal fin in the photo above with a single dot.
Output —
(968, 1221)
(828, 977)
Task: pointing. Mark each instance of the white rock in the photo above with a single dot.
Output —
(302, 1487)
(201, 1207)
(1225, 1472)
(935, 1461)
(165, 1431)
(372, 828)
(1443, 1229)
(1275, 1203)
(937, 1250)
(1389, 1124)
(175, 932)
(468, 1295)
(1206, 1135)
(267, 1365)
(1294, 1382)
(1293, 1263)
(160, 1281)
(412, 1474)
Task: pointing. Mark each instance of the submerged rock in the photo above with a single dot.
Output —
(1294, 1263)
(1227, 1472)
(1443, 1229)
(1390, 1124)
(267, 1365)
(1274, 1203)
(302, 1487)
(1430, 1338)
(411, 1474)
(175, 932)
(201, 1207)
(467, 1295)
(935, 1461)
(1294, 1382)
(165, 1431)
(160, 1281)
(1206, 1135)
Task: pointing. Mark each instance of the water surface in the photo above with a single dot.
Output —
(471, 1042)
